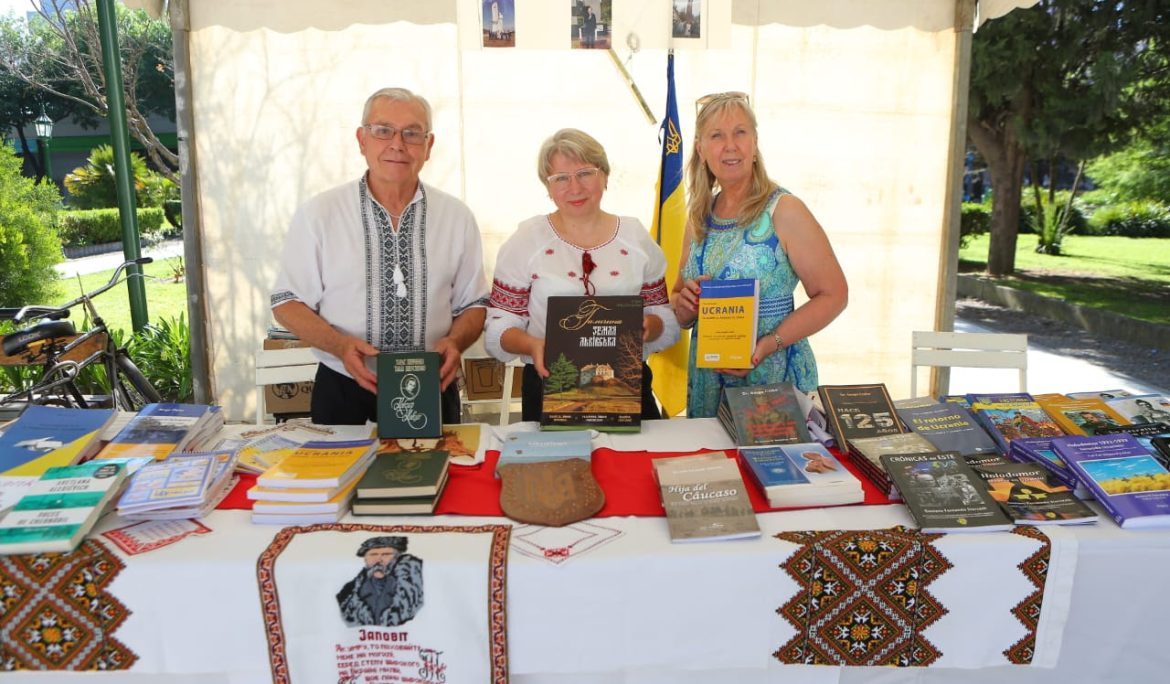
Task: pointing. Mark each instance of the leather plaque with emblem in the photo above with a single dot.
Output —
(551, 493)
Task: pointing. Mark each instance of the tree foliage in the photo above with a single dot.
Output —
(94, 185)
(562, 375)
(1064, 78)
(29, 248)
(58, 53)
(1140, 170)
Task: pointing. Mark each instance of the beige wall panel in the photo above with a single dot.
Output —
(855, 121)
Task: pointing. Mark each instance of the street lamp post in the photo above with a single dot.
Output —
(44, 128)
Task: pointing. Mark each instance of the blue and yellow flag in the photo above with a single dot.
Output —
(670, 220)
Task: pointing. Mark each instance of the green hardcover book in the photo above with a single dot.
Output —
(408, 395)
(402, 505)
(404, 473)
(593, 352)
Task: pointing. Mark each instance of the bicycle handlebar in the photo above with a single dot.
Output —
(62, 311)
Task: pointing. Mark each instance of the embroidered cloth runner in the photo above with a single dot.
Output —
(402, 603)
(56, 612)
(897, 597)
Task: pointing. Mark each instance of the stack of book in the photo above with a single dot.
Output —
(45, 437)
(312, 484)
(1039, 451)
(60, 508)
(801, 475)
(187, 485)
(705, 498)
(162, 429)
(1132, 485)
(402, 483)
(764, 415)
(867, 452)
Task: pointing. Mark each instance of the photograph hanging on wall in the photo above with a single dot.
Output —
(591, 24)
(499, 23)
(685, 19)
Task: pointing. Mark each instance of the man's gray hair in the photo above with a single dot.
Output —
(401, 95)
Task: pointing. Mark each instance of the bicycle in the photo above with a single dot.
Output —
(50, 343)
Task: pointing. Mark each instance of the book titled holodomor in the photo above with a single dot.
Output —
(593, 353)
(408, 395)
(725, 332)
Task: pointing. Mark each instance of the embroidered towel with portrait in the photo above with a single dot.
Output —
(401, 603)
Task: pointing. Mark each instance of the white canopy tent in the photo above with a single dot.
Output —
(861, 104)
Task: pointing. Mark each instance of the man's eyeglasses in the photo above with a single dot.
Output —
(561, 180)
(730, 96)
(410, 136)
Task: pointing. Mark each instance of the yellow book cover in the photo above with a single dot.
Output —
(320, 464)
(1082, 416)
(725, 333)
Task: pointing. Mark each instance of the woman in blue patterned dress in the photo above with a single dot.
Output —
(740, 224)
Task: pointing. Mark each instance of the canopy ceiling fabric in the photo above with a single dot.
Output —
(856, 102)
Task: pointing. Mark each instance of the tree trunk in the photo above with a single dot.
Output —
(1005, 163)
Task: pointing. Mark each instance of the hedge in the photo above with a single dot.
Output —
(99, 226)
(1137, 219)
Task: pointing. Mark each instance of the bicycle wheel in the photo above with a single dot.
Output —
(132, 389)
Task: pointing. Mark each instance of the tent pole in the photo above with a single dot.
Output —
(180, 18)
(124, 174)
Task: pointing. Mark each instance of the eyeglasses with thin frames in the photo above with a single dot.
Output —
(729, 96)
(410, 136)
(561, 180)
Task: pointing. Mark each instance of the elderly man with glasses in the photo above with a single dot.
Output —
(382, 263)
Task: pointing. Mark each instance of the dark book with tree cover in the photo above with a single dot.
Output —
(408, 395)
(593, 352)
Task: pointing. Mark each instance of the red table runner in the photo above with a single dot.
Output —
(626, 477)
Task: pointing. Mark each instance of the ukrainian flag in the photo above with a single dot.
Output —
(670, 218)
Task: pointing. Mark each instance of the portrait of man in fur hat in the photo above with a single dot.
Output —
(388, 591)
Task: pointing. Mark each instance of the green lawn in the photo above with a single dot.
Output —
(164, 298)
(1127, 275)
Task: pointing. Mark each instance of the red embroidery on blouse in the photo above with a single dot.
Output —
(613, 273)
(624, 252)
(511, 299)
(654, 294)
(548, 251)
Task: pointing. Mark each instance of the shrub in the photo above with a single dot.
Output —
(1133, 219)
(1076, 220)
(94, 185)
(975, 220)
(162, 351)
(29, 246)
(99, 226)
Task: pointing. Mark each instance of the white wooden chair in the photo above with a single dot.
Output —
(968, 350)
(276, 366)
